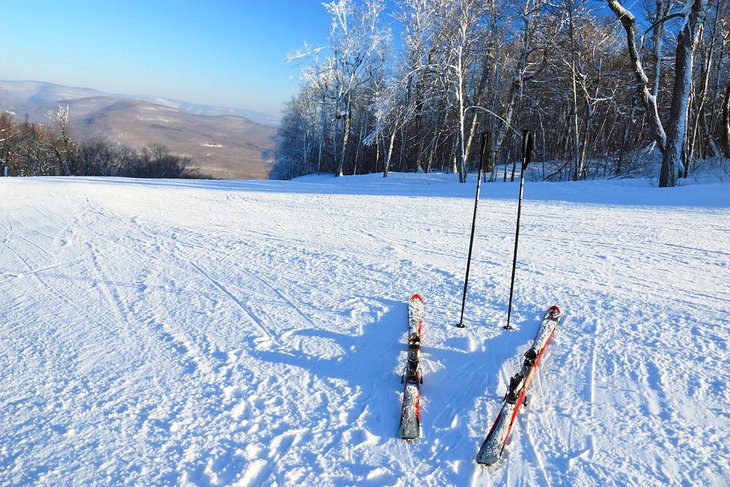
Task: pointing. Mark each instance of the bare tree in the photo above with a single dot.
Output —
(355, 41)
(64, 148)
(671, 140)
(524, 69)
(467, 66)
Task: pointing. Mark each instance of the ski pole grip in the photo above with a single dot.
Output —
(527, 145)
(486, 149)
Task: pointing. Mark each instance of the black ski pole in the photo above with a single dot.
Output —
(486, 152)
(527, 143)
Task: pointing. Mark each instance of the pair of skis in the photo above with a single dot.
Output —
(410, 422)
(410, 416)
(493, 446)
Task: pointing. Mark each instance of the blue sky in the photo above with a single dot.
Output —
(216, 52)
(213, 52)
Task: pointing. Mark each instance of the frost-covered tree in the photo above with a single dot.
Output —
(356, 40)
(298, 138)
(671, 139)
(458, 29)
(63, 146)
(343, 76)
(558, 67)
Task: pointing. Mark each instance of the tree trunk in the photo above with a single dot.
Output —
(725, 134)
(671, 142)
(323, 136)
(677, 127)
(390, 151)
(345, 139)
(335, 155)
(699, 131)
(578, 163)
(363, 128)
(662, 10)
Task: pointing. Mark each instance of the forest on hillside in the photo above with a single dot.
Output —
(413, 87)
(52, 149)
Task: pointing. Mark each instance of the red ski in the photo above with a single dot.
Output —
(493, 446)
(410, 418)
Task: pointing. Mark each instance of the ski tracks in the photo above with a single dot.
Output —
(258, 323)
(193, 338)
(146, 308)
(138, 315)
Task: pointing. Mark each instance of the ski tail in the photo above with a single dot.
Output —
(491, 450)
(410, 420)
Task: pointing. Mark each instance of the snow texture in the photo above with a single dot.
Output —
(217, 333)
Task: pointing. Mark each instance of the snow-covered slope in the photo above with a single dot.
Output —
(253, 332)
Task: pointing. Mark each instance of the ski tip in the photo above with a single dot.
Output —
(417, 296)
(554, 308)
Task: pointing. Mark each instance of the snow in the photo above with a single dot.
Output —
(208, 332)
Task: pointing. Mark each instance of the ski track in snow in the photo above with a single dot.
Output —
(217, 333)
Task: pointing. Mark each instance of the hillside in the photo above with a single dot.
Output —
(214, 332)
(224, 146)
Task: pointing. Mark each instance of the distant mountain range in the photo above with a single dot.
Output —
(224, 143)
